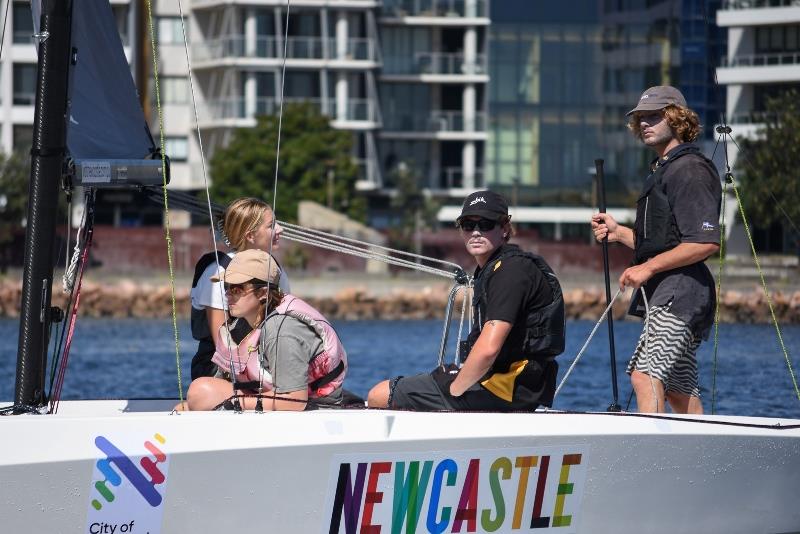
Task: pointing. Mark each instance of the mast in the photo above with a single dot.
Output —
(47, 158)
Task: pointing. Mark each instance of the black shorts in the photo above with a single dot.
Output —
(422, 393)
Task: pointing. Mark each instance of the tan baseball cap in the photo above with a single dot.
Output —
(249, 264)
(659, 97)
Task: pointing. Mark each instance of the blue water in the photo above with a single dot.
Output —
(136, 358)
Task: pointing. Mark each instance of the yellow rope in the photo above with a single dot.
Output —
(766, 292)
(166, 200)
(719, 296)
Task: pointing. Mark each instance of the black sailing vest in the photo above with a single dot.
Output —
(544, 326)
(200, 330)
(655, 229)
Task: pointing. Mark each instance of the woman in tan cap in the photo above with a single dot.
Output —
(281, 352)
(248, 224)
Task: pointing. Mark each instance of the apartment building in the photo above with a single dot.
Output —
(763, 57)
(762, 62)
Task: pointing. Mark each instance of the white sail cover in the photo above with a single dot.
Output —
(105, 116)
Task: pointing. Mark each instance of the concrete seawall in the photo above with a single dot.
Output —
(418, 300)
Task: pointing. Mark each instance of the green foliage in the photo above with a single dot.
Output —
(14, 178)
(310, 148)
(768, 166)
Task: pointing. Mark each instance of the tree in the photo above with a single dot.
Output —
(14, 176)
(315, 164)
(767, 167)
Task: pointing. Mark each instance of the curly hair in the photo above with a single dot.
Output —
(683, 121)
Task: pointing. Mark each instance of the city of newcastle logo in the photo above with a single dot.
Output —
(128, 488)
(537, 489)
(115, 457)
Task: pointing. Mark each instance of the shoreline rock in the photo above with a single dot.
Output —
(128, 299)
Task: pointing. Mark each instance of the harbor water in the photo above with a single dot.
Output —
(136, 358)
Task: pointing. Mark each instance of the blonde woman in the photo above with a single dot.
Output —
(248, 224)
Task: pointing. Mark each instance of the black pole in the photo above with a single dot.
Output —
(47, 156)
(601, 200)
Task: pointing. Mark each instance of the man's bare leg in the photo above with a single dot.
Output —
(649, 393)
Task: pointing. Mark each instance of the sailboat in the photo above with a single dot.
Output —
(120, 466)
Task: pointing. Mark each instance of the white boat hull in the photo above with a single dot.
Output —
(393, 471)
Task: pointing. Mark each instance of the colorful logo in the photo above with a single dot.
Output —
(117, 465)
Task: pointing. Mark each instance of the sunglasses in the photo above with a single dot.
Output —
(484, 225)
(240, 290)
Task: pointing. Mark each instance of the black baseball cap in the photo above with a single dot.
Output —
(659, 97)
(486, 204)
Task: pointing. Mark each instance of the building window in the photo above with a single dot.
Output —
(177, 148)
(24, 84)
(23, 23)
(174, 89)
(170, 30)
(772, 39)
(23, 138)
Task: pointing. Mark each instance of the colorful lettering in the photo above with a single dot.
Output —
(524, 464)
(407, 495)
(348, 499)
(373, 497)
(537, 521)
(487, 523)
(468, 503)
(434, 526)
(459, 492)
(564, 488)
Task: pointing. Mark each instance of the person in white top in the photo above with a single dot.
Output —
(247, 224)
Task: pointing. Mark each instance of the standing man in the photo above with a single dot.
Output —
(518, 327)
(676, 229)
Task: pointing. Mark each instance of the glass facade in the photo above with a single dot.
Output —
(564, 75)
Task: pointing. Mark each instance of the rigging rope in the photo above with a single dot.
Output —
(766, 292)
(720, 271)
(167, 235)
(586, 344)
(88, 231)
(5, 25)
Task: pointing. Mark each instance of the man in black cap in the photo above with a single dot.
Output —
(518, 312)
(676, 229)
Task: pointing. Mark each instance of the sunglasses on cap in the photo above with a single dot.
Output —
(484, 225)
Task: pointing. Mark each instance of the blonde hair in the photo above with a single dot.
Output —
(682, 121)
(242, 216)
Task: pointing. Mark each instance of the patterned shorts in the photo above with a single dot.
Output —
(671, 352)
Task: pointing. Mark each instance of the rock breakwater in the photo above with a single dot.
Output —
(131, 299)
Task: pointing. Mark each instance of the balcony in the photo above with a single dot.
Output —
(435, 67)
(457, 12)
(759, 68)
(330, 4)
(453, 178)
(748, 124)
(235, 111)
(758, 4)
(438, 124)
(299, 49)
(738, 13)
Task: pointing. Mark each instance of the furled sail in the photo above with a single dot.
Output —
(105, 117)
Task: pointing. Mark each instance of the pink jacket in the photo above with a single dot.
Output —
(246, 358)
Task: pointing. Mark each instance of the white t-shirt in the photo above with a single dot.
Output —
(208, 294)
